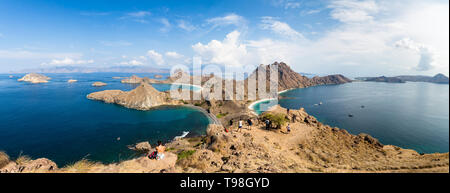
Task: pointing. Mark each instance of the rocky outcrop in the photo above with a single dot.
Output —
(289, 79)
(330, 79)
(158, 76)
(141, 147)
(98, 84)
(41, 165)
(34, 78)
(72, 81)
(144, 97)
(134, 80)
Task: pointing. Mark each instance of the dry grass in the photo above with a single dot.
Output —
(4, 159)
(81, 166)
(23, 159)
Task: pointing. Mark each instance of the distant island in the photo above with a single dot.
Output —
(438, 78)
(81, 69)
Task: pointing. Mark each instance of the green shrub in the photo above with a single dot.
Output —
(277, 119)
(185, 154)
(220, 115)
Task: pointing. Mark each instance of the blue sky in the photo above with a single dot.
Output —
(331, 36)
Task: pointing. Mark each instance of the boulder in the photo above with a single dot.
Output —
(142, 147)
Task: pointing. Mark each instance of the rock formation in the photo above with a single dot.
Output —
(289, 79)
(98, 84)
(158, 76)
(134, 80)
(35, 78)
(144, 97)
(141, 147)
(72, 81)
(41, 165)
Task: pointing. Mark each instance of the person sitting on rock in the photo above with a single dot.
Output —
(160, 149)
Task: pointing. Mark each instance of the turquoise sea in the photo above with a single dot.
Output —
(413, 115)
(55, 120)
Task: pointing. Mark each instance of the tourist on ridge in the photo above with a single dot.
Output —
(160, 149)
(240, 125)
(288, 128)
(250, 123)
(267, 124)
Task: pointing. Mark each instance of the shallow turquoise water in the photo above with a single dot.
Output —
(412, 115)
(56, 121)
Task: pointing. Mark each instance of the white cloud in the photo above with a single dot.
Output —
(348, 11)
(351, 47)
(427, 55)
(139, 14)
(173, 55)
(186, 25)
(67, 61)
(230, 19)
(132, 63)
(166, 25)
(291, 5)
(281, 28)
(155, 57)
(229, 52)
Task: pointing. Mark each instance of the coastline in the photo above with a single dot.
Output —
(266, 99)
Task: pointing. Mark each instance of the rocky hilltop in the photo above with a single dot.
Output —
(134, 80)
(144, 97)
(34, 78)
(310, 147)
(289, 79)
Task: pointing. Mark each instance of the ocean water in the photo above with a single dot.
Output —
(413, 115)
(55, 120)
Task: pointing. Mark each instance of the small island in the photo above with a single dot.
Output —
(98, 84)
(72, 81)
(34, 78)
(144, 97)
(133, 80)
